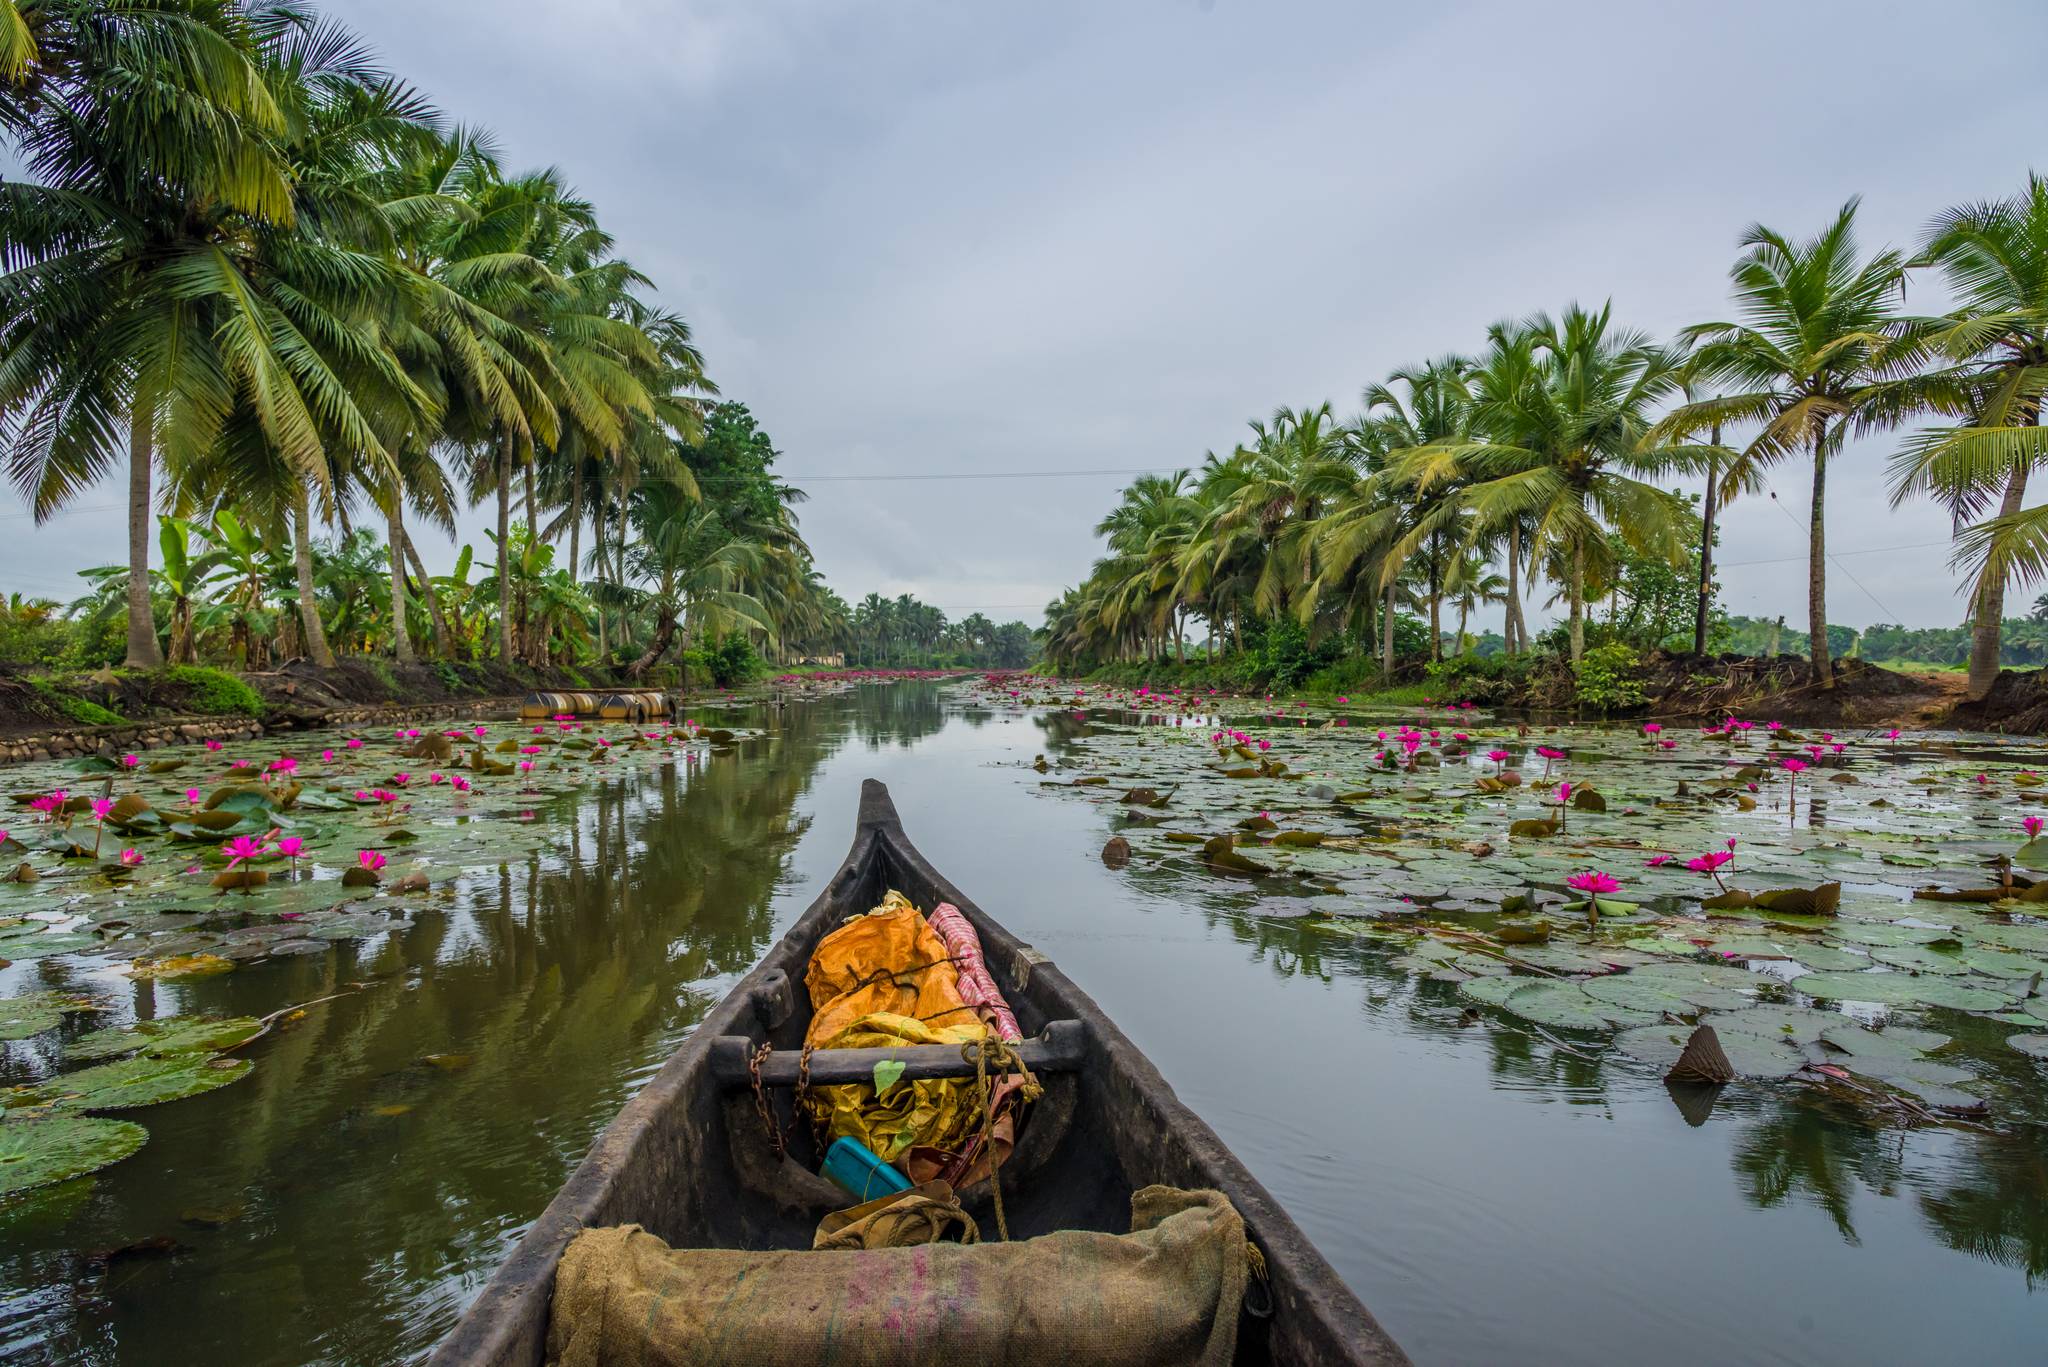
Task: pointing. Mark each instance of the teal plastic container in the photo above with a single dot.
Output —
(854, 1166)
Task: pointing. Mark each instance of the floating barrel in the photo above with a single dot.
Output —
(632, 704)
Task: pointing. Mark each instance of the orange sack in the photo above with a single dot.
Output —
(888, 960)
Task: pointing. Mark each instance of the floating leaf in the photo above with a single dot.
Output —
(180, 966)
(35, 1152)
(141, 1081)
(36, 1012)
(161, 1038)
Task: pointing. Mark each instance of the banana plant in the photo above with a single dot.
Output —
(182, 575)
(249, 566)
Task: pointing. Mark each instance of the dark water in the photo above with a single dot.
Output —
(1493, 1199)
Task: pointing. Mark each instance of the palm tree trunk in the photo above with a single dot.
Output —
(1817, 564)
(1699, 624)
(665, 632)
(505, 551)
(1436, 625)
(182, 650)
(576, 523)
(302, 562)
(1463, 608)
(444, 639)
(1987, 613)
(1387, 637)
(1514, 613)
(401, 639)
(143, 650)
(1578, 595)
(597, 549)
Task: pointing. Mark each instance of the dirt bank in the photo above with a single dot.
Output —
(1683, 687)
(2017, 703)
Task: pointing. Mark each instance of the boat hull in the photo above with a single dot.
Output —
(689, 1160)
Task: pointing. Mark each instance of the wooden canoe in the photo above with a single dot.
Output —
(689, 1159)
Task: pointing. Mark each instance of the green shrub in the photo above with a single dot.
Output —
(1609, 677)
(53, 698)
(732, 661)
(214, 691)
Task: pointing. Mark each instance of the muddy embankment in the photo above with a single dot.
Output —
(114, 712)
(1705, 689)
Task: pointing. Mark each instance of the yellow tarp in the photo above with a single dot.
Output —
(935, 1113)
(880, 981)
(890, 960)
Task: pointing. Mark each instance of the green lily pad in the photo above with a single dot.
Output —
(141, 1081)
(35, 1012)
(36, 1152)
(2033, 1046)
(1905, 989)
(162, 1038)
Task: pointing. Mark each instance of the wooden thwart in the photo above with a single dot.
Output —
(1059, 1050)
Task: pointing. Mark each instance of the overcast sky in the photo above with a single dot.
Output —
(960, 239)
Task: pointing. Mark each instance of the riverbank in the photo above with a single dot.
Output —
(1658, 685)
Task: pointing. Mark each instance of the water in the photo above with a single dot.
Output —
(1491, 1197)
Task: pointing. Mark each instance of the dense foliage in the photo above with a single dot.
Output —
(310, 315)
(1545, 459)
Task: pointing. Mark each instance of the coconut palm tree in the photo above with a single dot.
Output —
(1561, 418)
(1994, 258)
(112, 317)
(1473, 584)
(1818, 324)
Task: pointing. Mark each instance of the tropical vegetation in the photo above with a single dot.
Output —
(312, 319)
(1547, 463)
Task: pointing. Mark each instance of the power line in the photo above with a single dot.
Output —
(1790, 559)
(1776, 503)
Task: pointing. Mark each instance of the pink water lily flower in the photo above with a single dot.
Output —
(526, 766)
(1795, 765)
(459, 783)
(102, 808)
(479, 729)
(1593, 882)
(1667, 744)
(130, 761)
(191, 797)
(401, 778)
(290, 845)
(435, 778)
(354, 742)
(1651, 728)
(283, 764)
(370, 860)
(49, 804)
(529, 749)
(242, 847)
(1265, 745)
(2032, 826)
(1656, 861)
(130, 858)
(212, 744)
(1892, 734)
(327, 756)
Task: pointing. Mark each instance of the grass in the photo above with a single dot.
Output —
(213, 691)
(1932, 667)
(72, 707)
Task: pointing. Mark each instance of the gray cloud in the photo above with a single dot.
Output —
(939, 238)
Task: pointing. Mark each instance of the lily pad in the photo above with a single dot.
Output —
(1905, 989)
(141, 1081)
(161, 1038)
(36, 1152)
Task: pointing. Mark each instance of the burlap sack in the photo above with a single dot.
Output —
(1166, 1293)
